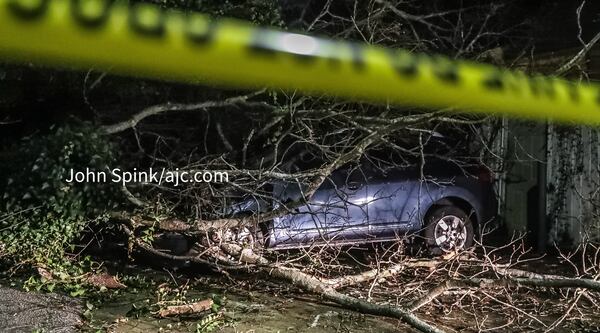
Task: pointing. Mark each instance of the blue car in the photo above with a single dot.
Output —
(441, 202)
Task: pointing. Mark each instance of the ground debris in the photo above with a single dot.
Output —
(186, 309)
(104, 280)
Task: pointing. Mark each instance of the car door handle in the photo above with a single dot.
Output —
(354, 186)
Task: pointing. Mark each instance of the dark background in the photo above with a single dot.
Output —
(33, 98)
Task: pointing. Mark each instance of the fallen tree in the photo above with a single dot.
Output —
(484, 277)
(264, 137)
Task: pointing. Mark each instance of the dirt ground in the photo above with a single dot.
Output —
(22, 311)
(254, 303)
(269, 310)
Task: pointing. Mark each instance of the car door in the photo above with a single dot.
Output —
(337, 211)
(347, 205)
(303, 224)
(392, 203)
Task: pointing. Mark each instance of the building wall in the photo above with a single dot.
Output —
(524, 148)
(573, 174)
(569, 156)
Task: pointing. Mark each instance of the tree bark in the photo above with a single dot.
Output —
(314, 285)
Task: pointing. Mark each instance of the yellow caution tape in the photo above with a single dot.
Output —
(145, 40)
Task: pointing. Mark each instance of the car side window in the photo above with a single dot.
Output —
(345, 179)
(355, 177)
(329, 182)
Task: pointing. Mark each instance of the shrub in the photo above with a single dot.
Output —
(41, 215)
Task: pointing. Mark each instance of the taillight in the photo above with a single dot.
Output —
(485, 175)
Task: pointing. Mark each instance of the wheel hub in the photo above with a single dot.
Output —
(450, 233)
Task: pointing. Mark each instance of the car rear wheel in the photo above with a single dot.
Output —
(448, 229)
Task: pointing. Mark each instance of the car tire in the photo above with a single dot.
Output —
(448, 229)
